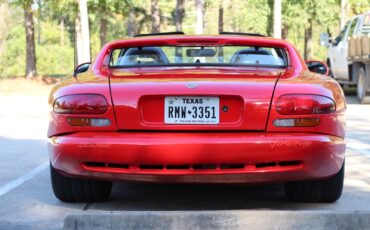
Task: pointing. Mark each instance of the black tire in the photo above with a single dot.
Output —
(329, 66)
(325, 191)
(79, 190)
(362, 96)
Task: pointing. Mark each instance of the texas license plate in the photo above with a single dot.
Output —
(191, 110)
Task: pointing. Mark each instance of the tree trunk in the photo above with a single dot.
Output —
(220, 30)
(39, 22)
(179, 14)
(285, 31)
(102, 4)
(62, 31)
(308, 41)
(103, 31)
(343, 15)
(199, 8)
(131, 23)
(78, 41)
(156, 19)
(220, 18)
(82, 34)
(30, 40)
(277, 19)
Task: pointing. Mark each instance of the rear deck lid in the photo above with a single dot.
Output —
(193, 98)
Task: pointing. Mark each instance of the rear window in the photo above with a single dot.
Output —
(198, 56)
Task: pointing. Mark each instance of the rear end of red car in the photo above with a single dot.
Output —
(197, 110)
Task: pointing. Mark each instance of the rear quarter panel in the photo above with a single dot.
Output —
(310, 83)
(86, 83)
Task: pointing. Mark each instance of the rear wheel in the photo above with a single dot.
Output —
(326, 191)
(79, 190)
(362, 97)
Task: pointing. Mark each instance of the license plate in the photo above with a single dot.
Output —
(191, 110)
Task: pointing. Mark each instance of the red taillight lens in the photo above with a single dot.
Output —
(303, 104)
(81, 104)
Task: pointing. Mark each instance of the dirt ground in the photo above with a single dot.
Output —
(22, 86)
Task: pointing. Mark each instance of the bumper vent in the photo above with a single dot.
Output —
(194, 167)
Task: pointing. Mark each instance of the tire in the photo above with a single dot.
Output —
(79, 190)
(329, 66)
(361, 87)
(325, 191)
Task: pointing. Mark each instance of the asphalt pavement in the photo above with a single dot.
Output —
(27, 201)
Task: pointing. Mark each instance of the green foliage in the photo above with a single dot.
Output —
(12, 58)
(56, 60)
(55, 54)
(53, 58)
(297, 14)
(358, 6)
(255, 16)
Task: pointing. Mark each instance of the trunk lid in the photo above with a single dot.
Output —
(145, 99)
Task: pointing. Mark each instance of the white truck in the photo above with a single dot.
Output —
(349, 55)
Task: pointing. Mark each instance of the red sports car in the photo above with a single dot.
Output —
(231, 108)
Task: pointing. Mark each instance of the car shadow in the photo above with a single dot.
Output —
(188, 197)
(141, 196)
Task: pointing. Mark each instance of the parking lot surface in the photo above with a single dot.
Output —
(27, 201)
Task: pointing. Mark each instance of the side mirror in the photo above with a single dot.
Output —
(332, 40)
(325, 39)
(81, 68)
(318, 67)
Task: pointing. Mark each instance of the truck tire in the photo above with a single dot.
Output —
(78, 190)
(362, 96)
(324, 191)
(329, 66)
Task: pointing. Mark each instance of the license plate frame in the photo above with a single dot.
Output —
(192, 110)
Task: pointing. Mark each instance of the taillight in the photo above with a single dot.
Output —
(81, 104)
(304, 104)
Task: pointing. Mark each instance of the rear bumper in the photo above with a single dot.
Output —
(197, 157)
